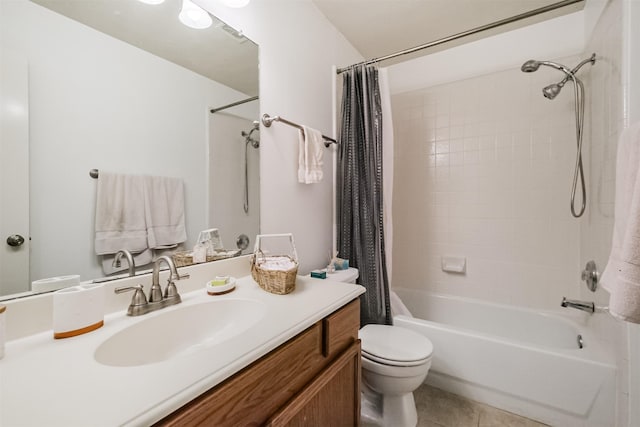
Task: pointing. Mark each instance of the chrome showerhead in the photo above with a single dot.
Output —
(248, 139)
(553, 90)
(530, 66)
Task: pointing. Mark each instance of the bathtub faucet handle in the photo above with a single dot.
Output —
(589, 307)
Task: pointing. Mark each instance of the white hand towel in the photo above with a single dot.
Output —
(621, 276)
(164, 211)
(120, 219)
(310, 152)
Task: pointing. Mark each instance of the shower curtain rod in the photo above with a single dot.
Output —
(443, 40)
(233, 104)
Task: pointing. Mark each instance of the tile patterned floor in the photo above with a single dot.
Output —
(439, 408)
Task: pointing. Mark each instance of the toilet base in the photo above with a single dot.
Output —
(387, 411)
(399, 411)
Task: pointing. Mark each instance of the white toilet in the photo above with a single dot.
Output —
(395, 362)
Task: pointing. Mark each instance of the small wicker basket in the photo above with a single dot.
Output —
(185, 258)
(276, 281)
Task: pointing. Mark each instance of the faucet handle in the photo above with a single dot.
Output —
(171, 293)
(139, 298)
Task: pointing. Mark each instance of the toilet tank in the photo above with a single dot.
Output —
(350, 275)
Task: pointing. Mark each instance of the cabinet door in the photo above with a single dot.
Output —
(250, 397)
(331, 399)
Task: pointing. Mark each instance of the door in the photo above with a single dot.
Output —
(14, 173)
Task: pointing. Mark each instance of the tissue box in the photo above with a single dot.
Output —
(78, 310)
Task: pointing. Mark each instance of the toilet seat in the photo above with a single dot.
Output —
(389, 362)
(395, 346)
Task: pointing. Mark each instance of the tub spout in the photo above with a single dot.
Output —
(589, 307)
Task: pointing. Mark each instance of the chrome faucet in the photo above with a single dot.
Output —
(589, 307)
(171, 295)
(140, 305)
(132, 265)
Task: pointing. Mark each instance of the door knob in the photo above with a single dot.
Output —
(242, 241)
(15, 240)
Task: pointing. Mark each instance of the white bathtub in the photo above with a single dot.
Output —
(520, 360)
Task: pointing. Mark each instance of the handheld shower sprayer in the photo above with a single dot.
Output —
(255, 143)
(248, 139)
(550, 92)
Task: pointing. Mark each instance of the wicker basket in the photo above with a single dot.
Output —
(184, 258)
(273, 280)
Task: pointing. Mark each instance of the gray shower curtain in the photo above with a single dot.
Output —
(359, 191)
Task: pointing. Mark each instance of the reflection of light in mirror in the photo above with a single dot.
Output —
(15, 109)
(236, 3)
(193, 16)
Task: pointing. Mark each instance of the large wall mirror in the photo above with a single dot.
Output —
(124, 87)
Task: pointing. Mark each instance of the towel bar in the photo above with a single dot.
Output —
(267, 120)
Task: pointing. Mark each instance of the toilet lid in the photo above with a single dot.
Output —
(394, 345)
(347, 276)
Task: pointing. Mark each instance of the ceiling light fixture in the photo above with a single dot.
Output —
(151, 1)
(194, 16)
(236, 3)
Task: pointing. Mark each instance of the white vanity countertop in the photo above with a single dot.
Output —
(59, 383)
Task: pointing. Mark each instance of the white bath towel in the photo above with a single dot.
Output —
(120, 220)
(621, 276)
(164, 211)
(310, 152)
(397, 306)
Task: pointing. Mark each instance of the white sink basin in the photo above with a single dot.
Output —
(180, 331)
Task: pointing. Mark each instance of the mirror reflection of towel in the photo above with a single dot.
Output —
(120, 217)
(164, 211)
(142, 214)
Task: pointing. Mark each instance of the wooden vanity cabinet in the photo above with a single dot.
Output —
(311, 380)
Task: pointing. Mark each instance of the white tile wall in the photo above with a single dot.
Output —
(484, 169)
(485, 172)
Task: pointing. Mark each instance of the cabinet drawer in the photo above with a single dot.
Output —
(340, 329)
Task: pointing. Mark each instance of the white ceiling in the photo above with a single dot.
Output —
(374, 27)
(217, 52)
(381, 27)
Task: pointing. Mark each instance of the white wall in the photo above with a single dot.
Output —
(631, 71)
(88, 110)
(298, 46)
(605, 119)
(486, 168)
